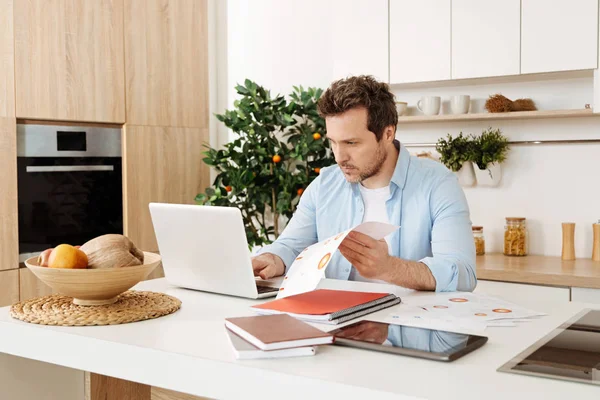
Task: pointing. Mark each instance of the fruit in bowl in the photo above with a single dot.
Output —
(96, 272)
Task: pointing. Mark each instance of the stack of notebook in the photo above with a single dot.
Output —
(328, 306)
(273, 336)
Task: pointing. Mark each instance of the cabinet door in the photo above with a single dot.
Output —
(69, 60)
(9, 287)
(486, 37)
(161, 165)
(9, 224)
(7, 72)
(30, 286)
(559, 35)
(360, 38)
(585, 295)
(419, 40)
(166, 62)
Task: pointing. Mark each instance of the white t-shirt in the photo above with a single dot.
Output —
(375, 210)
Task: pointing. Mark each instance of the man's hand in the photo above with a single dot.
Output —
(370, 257)
(268, 265)
(369, 331)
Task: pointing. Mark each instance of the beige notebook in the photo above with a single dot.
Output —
(272, 332)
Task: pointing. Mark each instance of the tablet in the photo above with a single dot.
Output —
(408, 341)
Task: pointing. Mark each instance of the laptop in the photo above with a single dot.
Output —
(205, 248)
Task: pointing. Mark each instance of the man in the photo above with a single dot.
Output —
(376, 179)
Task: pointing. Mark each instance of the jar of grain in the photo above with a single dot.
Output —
(479, 240)
(515, 237)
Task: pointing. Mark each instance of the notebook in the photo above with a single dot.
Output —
(280, 331)
(244, 350)
(328, 306)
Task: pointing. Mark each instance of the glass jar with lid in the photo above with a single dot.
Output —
(479, 240)
(515, 236)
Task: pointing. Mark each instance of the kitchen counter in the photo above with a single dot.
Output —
(189, 352)
(540, 270)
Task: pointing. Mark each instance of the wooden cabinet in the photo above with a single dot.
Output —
(539, 298)
(161, 164)
(559, 35)
(166, 62)
(69, 60)
(585, 295)
(9, 287)
(360, 38)
(9, 235)
(7, 72)
(30, 286)
(486, 38)
(419, 40)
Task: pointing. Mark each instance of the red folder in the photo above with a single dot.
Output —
(324, 305)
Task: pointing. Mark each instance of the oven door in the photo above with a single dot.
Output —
(67, 200)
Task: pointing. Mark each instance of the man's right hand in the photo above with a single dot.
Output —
(268, 265)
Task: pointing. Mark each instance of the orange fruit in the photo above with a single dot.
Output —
(276, 158)
(318, 170)
(228, 189)
(68, 257)
(316, 136)
(300, 191)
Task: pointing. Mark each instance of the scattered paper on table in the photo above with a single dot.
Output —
(309, 267)
(461, 310)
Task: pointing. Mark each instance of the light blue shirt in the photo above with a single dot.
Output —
(425, 200)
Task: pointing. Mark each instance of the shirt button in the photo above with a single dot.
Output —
(347, 269)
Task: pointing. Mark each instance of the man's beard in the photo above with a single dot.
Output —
(372, 169)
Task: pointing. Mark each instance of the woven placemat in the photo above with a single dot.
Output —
(130, 306)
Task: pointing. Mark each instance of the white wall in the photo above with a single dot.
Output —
(548, 184)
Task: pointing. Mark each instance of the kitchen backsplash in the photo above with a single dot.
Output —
(546, 183)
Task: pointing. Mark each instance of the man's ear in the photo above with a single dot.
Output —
(389, 133)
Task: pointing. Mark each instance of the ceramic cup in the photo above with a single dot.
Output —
(429, 105)
(460, 104)
(402, 108)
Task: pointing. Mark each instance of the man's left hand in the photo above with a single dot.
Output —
(370, 257)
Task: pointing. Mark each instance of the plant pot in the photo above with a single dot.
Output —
(466, 175)
(491, 176)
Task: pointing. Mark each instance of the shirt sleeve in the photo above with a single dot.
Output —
(453, 249)
(301, 230)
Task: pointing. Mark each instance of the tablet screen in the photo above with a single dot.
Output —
(406, 340)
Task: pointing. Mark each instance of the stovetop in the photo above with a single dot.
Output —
(570, 352)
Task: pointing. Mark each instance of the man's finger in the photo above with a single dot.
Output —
(352, 255)
(268, 272)
(366, 240)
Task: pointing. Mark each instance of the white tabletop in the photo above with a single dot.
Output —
(189, 352)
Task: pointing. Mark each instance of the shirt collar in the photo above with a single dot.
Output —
(401, 170)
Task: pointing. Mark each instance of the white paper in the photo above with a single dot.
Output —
(461, 310)
(309, 267)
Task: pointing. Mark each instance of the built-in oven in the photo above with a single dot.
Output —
(69, 185)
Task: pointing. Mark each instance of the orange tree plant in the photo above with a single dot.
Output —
(278, 150)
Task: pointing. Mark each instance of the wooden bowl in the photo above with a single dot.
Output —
(92, 287)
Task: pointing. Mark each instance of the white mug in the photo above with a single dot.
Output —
(430, 105)
(460, 104)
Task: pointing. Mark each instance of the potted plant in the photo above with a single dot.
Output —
(455, 155)
(489, 150)
(279, 149)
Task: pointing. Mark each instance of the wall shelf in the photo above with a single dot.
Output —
(586, 112)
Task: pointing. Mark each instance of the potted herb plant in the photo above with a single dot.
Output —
(489, 150)
(455, 155)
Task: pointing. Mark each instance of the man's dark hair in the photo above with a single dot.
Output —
(361, 91)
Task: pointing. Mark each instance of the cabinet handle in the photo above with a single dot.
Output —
(70, 168)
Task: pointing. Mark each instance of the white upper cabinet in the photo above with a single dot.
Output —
(420, 33)
(360, 38)
(559, 35)
(485, 38)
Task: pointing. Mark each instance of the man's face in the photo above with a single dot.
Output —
(356, 149)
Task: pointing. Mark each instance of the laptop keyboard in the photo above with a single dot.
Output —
(266, 289)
